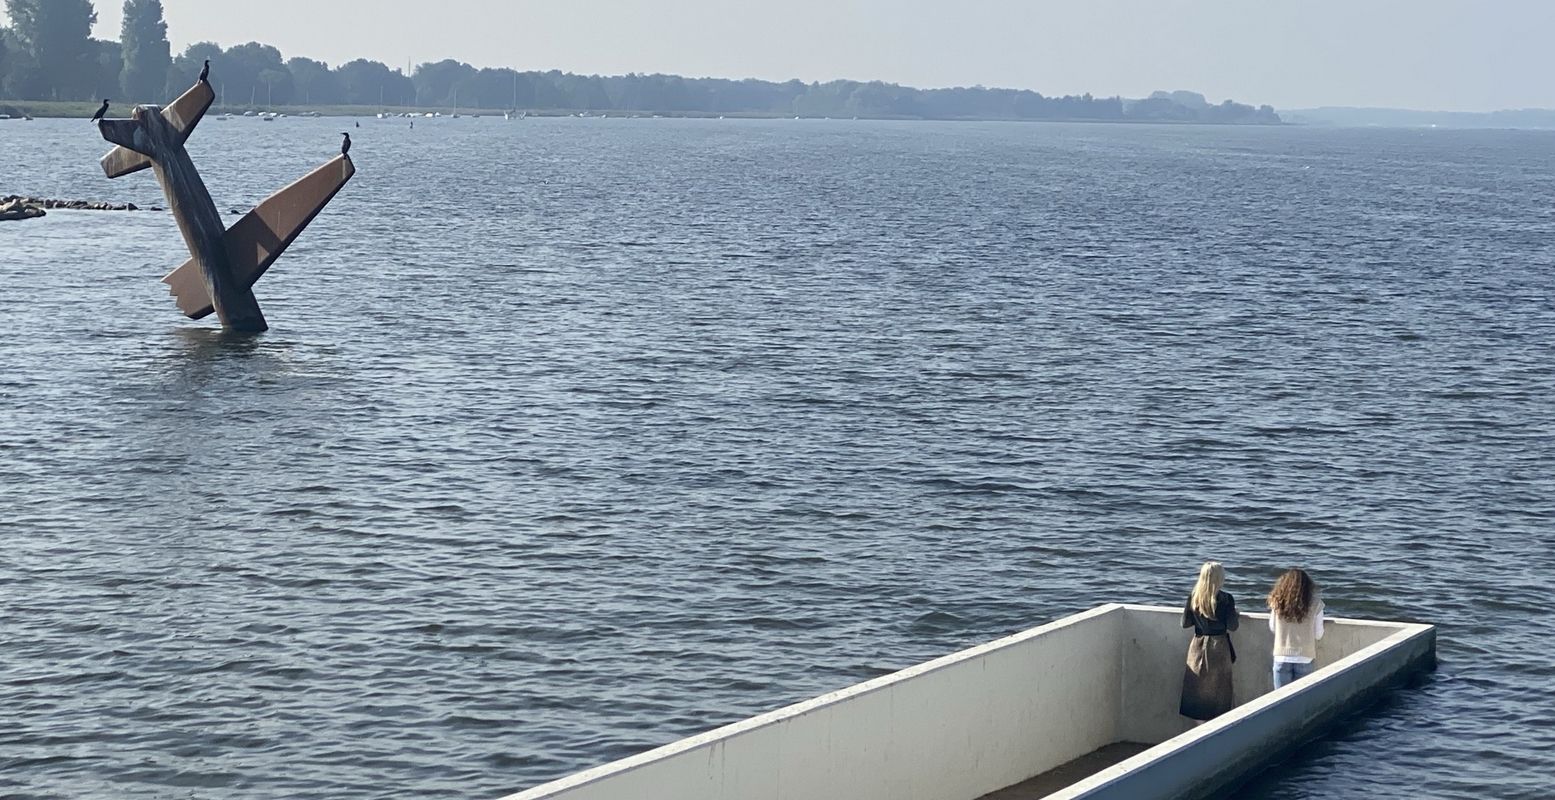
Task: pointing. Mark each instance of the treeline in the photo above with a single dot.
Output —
(47, 54)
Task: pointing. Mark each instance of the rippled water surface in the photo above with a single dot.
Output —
(573, 437)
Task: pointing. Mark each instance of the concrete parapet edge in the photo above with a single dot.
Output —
(734, 730)
(1219, 755)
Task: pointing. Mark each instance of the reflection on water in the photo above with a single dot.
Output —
(195, 348)
(573, 437)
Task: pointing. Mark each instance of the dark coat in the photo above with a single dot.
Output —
(1206, 678)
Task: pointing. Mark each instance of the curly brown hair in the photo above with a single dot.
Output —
(1293, 596)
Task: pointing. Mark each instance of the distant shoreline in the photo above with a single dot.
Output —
(1328, 117)
(51, 109)
(1363, 117)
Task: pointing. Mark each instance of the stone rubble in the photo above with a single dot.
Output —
(74, 205)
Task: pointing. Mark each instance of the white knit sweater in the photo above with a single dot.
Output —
(1296, 642)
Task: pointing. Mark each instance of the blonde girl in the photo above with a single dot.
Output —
(1211, 612)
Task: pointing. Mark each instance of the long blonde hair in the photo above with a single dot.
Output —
(1212, 576)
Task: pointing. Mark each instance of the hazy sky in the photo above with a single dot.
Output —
(1432, 54)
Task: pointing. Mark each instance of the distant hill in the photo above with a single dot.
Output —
(1342, 116)
(1183, 106)
(1192, 100)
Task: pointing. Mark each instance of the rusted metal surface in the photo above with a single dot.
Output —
(183, 115)
(224, 263)
(150, 134)
(259, 238)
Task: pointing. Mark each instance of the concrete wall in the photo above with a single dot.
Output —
(980, 720)
(1155, 648)
(952, 729)
(1357, 660)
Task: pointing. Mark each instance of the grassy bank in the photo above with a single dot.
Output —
(20, 108)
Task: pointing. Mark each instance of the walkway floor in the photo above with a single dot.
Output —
(1066, 774)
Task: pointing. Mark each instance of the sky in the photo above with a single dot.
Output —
(1450, 55)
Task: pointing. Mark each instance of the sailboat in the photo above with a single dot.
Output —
(514, 114)
(456, 102)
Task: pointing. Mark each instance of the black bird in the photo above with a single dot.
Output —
(205, 72)
(345, 146)
(101, 111)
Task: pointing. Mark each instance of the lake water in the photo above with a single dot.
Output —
(576, 436)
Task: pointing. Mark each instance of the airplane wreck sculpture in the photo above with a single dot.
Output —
(224, 262)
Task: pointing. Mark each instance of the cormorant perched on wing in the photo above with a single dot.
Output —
(101, 111)
(345, 146)
(205, 72)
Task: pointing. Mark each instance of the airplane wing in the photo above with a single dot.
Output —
(259, 238)
(183, 115)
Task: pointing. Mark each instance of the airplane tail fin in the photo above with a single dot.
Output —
(259, 238)
(184, 114)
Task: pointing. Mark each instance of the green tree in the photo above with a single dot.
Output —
(244, 74)
(313, 83)
(247, 65)
(55, 35)
(271, 78)
(372, 83)
(18, 75)
(437, 82)
(147, 55)
(186, 69)
(107, 59)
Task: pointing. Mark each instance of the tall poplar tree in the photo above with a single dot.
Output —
(147, 55)
(56, 38)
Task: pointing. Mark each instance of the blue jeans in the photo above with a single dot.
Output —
(1286, 672)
